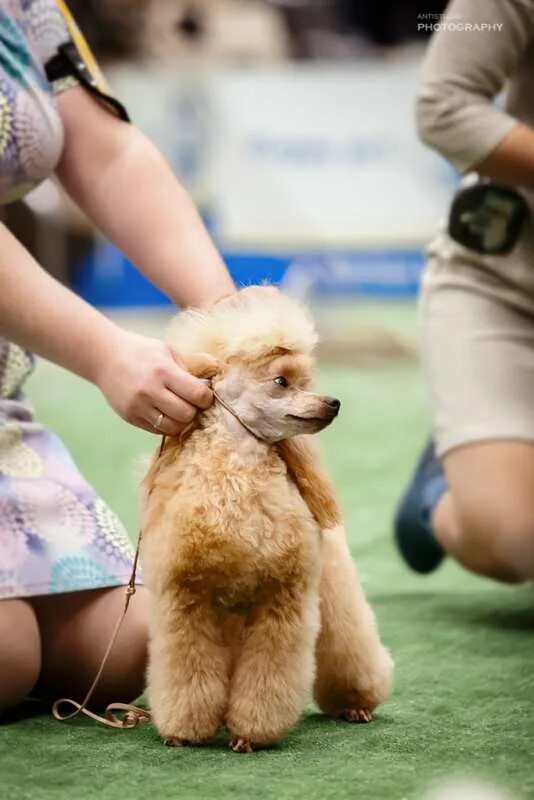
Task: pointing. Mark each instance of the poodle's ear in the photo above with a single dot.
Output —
(303, 466)
(201, 365)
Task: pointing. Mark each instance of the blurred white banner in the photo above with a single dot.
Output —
(296, 157)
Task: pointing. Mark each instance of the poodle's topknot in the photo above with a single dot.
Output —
(246, 327)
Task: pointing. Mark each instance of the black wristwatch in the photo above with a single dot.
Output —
(488, 218)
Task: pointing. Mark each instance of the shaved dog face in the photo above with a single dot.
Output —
(274, 399)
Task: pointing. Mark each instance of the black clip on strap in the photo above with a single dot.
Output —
(68, 62)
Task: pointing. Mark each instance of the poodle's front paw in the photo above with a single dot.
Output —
(185, 723)
(374, 684)
(240, 745)
(175, 741)
(357, 715)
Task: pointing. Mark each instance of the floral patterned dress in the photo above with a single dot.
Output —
(56, 533)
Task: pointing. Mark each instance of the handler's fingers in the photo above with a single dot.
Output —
(175, 353)
(159, 423)
(192, 390)
(170, 429)
(139, 422)
(174, 408)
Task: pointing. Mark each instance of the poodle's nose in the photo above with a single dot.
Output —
(333, 403)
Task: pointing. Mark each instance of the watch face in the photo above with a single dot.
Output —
(487, 218)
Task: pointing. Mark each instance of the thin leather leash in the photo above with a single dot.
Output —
(125, 715)
(131, 715)
(234, 413)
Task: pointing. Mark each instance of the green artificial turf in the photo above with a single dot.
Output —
(464, 695)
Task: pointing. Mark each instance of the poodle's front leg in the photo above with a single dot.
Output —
(354, 669)
(273, 675)
(188, 674)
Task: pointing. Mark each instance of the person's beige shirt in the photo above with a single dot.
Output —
(465, 68)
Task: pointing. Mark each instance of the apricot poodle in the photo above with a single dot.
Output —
(255, 601)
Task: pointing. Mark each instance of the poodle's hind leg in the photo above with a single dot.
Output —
(354, 669)
(188, 673)
(273, 674)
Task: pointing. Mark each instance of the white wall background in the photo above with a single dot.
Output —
(297, 157)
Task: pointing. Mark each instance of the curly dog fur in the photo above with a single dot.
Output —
(255, 598)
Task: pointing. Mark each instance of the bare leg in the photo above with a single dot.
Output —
(486, 521)
(274, 672)
(188, 676)
(354, 670)
(75, 631)
(20, 652)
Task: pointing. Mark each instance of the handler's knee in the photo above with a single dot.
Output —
(20, 652)
(500, 543)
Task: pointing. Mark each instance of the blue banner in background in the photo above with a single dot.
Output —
(310, 175)
(107, 279)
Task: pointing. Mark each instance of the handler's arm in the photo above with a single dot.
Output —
(463, 72)
(138, 376)
(129, 192)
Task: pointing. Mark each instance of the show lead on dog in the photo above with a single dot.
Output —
(471, 496)
(61, 549)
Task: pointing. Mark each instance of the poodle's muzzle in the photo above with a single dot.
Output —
(325, 414)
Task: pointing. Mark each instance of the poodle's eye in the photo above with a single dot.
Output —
(281, 381)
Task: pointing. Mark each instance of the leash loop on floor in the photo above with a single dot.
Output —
(116, 715)
(131, 715)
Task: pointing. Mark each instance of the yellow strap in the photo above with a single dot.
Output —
(81, 45)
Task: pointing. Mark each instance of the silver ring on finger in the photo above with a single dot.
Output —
(157, 424)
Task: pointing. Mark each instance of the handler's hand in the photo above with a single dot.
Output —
(142, 378)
